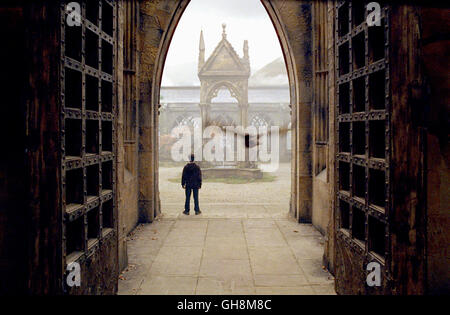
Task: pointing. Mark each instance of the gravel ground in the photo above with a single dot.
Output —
(276, 193)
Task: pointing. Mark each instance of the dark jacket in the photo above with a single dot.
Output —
(192, 176)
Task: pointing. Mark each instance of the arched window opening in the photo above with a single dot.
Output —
(224, 95)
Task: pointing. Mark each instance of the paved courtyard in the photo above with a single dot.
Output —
(243, 243)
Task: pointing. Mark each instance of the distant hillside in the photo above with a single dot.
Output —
(273, 73)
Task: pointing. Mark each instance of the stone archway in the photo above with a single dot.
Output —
(210, 90)
(292, 23)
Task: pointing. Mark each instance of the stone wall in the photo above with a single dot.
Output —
(321, 202)
(292, 22)
(329, 253)
(127, 179)
(157, 28)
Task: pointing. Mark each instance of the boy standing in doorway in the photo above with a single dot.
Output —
(191, 181)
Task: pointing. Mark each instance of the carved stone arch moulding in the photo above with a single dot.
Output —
(216, 87)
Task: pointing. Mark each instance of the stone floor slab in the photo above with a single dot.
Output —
(132, 278)
(292, 229)
(168, 285)
(304, 290)
(187, 234)
(237, 240)
(225, 251)
(231, 272)
(308, 247)
(255, 223)
(315, 272)
(191, 224)
(213, 286)
(325, 289)
(270, 237)
(177, 261)
(225, 228)
(280, 280)
(273, 261)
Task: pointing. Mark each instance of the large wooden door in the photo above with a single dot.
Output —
(88, 120)
(362, 120)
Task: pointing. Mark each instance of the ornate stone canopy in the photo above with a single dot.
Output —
(223, 69)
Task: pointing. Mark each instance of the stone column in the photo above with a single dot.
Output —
(204, 113)
(244, 115)
(244, 123)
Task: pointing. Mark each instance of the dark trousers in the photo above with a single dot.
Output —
(188, 199)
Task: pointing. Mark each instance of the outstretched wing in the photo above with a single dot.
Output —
(250, 140)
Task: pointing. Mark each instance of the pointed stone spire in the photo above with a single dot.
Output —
(224, 33)
(201, 55)
(246, 56)
(202, 42)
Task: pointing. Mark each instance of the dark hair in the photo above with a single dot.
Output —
(192, 158)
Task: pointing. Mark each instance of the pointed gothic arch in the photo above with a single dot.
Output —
(297, 56)
(214, 90)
